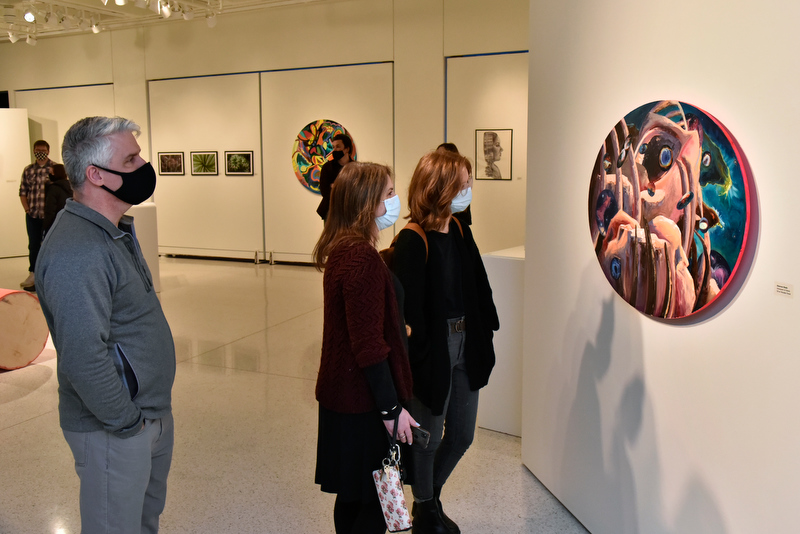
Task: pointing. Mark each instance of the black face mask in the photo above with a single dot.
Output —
(337, 155)
(137, 186)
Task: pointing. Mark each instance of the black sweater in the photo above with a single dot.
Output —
(425, 312)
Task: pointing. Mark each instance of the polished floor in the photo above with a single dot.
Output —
(248, 342)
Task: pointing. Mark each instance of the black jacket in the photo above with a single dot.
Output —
(424, 312)
(56, 194)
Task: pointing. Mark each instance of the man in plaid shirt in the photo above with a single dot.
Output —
(31, 194)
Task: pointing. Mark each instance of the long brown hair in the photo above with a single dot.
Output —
(435, 183)
(355, 196)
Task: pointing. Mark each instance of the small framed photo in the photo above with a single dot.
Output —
(493, 150)
(170, 163)
(204, 163)
(239, 163)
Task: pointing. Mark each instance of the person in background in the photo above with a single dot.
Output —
(31, 194)
(116, 356)
(56, 194)
(449, 307)
(364, 374)
(342, 155)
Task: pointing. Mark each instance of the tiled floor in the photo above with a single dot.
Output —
(248, 341)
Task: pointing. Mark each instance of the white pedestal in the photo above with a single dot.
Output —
(146, 224)
(500, 406)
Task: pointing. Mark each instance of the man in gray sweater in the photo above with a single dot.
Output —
(116, 356)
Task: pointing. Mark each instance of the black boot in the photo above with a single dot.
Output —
(427, 519)
(449, 523)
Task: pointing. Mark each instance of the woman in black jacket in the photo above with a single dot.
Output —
(449, 307)
(56, 194)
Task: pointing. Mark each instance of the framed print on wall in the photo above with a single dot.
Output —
(170, 163)
(493, 149)
(239, 163)
(204, 163)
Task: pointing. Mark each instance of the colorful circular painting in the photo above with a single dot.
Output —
(669, 208)
(312, 149)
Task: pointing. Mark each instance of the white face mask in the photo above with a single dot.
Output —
(392, 213)
(462, 201)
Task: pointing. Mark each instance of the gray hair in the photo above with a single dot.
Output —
(87, 143)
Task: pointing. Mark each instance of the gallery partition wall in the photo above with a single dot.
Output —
(207, 207)
(488, 93)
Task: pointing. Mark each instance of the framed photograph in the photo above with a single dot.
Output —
(204, 163)
(493, 149)
(170, 163)
(239, 163)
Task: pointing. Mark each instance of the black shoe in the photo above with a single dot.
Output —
(449, 523)
(30, 289)
(427, 519)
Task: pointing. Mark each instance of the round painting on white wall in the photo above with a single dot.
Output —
(312, 149)
(669, 208)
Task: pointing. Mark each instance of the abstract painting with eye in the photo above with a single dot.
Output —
(669, 208)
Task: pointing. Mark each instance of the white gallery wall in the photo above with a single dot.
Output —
(639, 425)
(359, 97)
(52, 111)
(15, 154)
(491, 92)
(411, 38)
(208, 215)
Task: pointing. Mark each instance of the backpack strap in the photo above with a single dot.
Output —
(460, 228)
(418, 229)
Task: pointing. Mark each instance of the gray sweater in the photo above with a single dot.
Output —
(116, 356)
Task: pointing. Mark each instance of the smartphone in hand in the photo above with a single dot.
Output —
(421, 435)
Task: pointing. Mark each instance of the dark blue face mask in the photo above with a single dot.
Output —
(137, 186)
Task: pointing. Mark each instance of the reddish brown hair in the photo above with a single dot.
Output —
(355, 196)
(435, 183)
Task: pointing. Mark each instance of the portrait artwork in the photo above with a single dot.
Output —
(493, 154)
(669, 208)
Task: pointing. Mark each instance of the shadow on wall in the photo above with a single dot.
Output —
(610, 473)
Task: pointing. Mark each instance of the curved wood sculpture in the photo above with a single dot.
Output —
(23, 330)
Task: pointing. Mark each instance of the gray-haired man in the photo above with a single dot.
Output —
(116, 356)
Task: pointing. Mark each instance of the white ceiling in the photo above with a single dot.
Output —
(61, 17)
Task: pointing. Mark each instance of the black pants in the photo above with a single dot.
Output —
(35, 228)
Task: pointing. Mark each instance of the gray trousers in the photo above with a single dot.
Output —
(433, 465)
(123, 481)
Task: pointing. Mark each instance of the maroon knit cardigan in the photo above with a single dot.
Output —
(361, 328)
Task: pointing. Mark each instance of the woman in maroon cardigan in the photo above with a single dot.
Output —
(364, 373)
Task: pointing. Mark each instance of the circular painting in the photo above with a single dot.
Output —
(669, 208)
(312, 149)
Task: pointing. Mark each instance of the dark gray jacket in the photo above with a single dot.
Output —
(116, 356)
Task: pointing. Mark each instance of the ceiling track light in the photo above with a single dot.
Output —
(155, 6)
(120, 2)
(31, 40)
(211, 20)
(13, 37)
(29, 16)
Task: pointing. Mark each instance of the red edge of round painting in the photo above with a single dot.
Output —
(669, 208)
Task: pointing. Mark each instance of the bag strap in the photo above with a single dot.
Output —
(418, 229)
